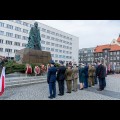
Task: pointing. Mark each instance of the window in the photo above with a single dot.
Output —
(9, 26)
(24, 23)
(56, 45)
(8, 42)
(43, 35)
(63, 51)
(60, 40)
(24, 45)
(43, 42)
(47, 43)
(1, 32)
(1, 49)
(52, 55)
(64, 41)
(47, 48)
(114, 58)
(118, 58)
(57, 34)
(1, 41)
(52, 44)
(60, 35)
(60, 51)
(17, 28)
(70, 48)
(31, 25)
(63, 56)
(110, 53)
(60, 46)
(1, 24)
(17, 43)
(9, 34)
(17, 36)
(114, 53)
(70, 38)
(56, 39)
(25, 31)
(52, 49)
(48, 37)
(56, 50)
(117, 52)
(53, 33)
(70, 43)
(18, 21)
(43, 48)
(60, 56)
(15, 51)
(8, 50)
(52, 38)
(25, 38)
(44, 30)
(67, 47)
(48, 31)
(56, 55)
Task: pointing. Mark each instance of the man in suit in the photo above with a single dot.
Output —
(101, 73)
(61, 78)
(51, 79)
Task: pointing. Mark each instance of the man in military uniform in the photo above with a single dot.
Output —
(51, 79)
(69, 78)
(61, 78)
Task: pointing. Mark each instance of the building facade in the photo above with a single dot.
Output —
(110, 53)
(14, 36)
(86, 55)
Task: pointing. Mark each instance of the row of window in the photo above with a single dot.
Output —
(8, 50)
(56, 50)
(8, 34)
(56, 45)
(11, 27)
(42, 29)
(61, 56)
(55, 39)
(110, 53)
(8, 42)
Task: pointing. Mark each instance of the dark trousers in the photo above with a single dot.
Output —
(86, 82)
(52, 89)
(61, 86)
(102, 83)
(96, 81)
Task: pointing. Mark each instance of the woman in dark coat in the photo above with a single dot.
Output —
(82, 76)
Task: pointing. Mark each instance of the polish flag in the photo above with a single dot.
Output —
(2, 81)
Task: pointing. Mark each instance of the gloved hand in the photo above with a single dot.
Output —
(48, 82)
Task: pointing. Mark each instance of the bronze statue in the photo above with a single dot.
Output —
(34, 38)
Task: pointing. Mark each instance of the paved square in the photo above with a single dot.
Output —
(40, 92)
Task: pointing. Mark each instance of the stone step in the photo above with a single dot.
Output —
(24, 81)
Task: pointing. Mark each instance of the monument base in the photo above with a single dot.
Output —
(27, 55)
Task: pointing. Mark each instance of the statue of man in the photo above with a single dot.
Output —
(34, 38)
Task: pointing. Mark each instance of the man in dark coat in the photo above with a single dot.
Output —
(51, 79)
(61, 78)
(101, 73)
(96, 66)
(86, 76)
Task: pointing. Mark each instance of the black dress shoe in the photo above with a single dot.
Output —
(50, 97)
(68, 92)
(60, 94)
(99, 89)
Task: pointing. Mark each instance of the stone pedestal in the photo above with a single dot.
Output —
(32, 56)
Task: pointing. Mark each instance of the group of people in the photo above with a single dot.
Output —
(88, 75)
(38, 70)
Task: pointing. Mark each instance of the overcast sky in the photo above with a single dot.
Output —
(90, 32)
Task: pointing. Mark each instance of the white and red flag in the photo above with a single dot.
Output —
(2, 81)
